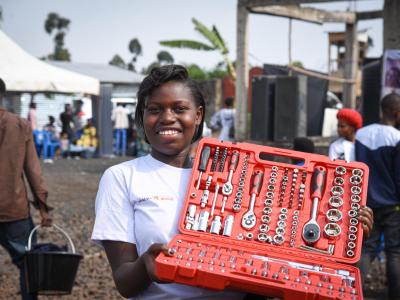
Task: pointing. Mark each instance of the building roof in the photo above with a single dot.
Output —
(104, 73)
(23, 72)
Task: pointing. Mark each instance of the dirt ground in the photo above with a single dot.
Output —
(72, 189)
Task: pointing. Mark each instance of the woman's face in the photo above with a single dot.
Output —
(170, 120)
(345, 130)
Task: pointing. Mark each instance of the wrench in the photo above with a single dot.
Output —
(215, 199)
(227, 187)
(311, 230)
(249, 218)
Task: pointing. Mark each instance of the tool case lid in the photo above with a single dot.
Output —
(263, 158)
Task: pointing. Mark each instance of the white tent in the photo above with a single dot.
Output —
(23, 72)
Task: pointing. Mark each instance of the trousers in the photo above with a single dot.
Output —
(14, 238)
(386, 221)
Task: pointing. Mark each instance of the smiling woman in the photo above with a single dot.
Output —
(139, 202)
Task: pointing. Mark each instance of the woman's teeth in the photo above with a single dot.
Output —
(168, 132)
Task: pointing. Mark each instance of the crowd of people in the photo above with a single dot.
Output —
(134, 221)
(73, 136)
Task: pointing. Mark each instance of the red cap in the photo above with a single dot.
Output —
(350, 116)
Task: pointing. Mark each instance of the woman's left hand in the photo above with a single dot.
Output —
(366, 217)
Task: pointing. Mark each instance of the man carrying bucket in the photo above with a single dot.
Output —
(18, 157)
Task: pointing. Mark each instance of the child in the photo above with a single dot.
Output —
(64, 145)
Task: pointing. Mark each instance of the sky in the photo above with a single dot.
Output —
(99, 29)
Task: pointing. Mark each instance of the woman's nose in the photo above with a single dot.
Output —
(168, 116)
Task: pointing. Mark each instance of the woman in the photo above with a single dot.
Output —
(139, 202)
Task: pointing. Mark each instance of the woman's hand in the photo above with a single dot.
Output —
(366, 217)
(149, 258)
(133, 274)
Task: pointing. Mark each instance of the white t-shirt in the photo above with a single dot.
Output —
(342, 149)
(140, 202)
(224, 118)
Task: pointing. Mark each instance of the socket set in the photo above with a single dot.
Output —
(254, 221)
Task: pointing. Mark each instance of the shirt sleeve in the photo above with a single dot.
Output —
(114, 212)
(34, 175)
(332, 151)
(397, 167)
(215, 122)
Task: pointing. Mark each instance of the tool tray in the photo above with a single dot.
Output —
(275, 252)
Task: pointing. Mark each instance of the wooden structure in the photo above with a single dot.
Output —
(292, 10)
(336, 64)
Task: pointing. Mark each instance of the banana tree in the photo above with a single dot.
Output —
(216, 43)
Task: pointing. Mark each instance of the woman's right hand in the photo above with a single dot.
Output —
(149, 258)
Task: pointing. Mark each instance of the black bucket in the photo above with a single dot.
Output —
(51, 272)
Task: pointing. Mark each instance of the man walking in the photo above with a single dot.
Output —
(121, 123)
(18, 157)
(378, 145)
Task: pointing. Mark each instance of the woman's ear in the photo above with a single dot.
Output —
(199, 115)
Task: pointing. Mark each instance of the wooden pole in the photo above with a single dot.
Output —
(350, 66)
(391, 24)
(242, 79)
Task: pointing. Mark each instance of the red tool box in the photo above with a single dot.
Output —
(256, 221)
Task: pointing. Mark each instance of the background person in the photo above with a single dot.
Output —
(32, 117)
(224, 120)
(139, 202)
(121, 123)
(18, 157)
(67, 122)
(378, 145)
(349, 121)
(88, 139)
(302, 144)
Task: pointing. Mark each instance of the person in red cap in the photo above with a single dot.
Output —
(349, 121)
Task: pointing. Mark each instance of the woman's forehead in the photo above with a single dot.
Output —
(171, 91)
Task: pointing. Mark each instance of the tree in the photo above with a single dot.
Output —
(150, 67)
(1, 14)
(136, 49)
(196, 72)
(213, 37)
(117, 61)
(297, 64)
(164, 57)
(58, 25)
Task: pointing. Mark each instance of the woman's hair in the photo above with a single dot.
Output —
(157, 77)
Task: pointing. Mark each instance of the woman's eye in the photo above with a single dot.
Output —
(180, 109)
(153, 110)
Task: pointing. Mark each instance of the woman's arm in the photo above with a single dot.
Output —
(132, 273)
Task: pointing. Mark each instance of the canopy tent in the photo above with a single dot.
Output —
(23, 72)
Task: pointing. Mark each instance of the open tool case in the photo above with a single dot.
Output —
(281, 229)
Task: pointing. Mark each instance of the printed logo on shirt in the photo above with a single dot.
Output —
(158, 198)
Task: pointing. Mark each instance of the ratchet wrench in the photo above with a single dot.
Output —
(311, 230)
(249, 218)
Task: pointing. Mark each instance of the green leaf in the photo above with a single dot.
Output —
(208, 34)
(195, 45)
(222, 42)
